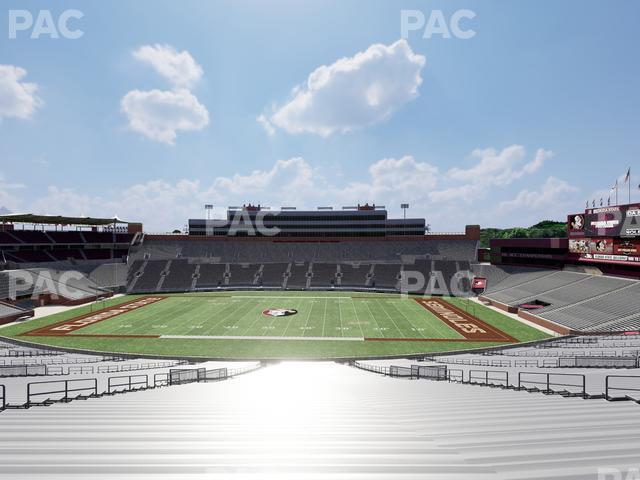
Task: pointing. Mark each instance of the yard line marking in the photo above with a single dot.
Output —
(290, 320)
(392, 320)
(324, 316)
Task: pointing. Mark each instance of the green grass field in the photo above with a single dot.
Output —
(233, 325)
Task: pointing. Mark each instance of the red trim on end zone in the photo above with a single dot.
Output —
(69, 326)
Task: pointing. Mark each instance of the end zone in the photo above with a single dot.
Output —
(470, 327)
(67, 327)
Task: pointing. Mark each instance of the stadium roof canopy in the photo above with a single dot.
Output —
(57, 219)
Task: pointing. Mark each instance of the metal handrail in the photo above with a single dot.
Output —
(130, 383)
(66, 390)
(547, 383)
(455, 371)
(486, 377)
(609, 388)
(159, 381)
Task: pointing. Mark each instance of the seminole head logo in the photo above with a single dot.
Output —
(279, 312)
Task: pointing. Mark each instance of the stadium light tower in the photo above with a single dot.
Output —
(207, 208)
(404, 207)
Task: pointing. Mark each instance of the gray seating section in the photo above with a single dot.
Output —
(517, 277)
(179, 276)
(266, 251)
(324, 274)
(272, 274)
(242, 274)
(589, 287)
(149, 277)
(354, 275)
(529, 290)
(109, 275)
(386, 275)
(211, 275)
(579, 301)
(298, 275)
(591, 315)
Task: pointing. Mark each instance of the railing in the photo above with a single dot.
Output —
(622, 383)
(372, 368)
(551, 383)
(127, 383)
(88, 386)
(161, 380)
(57, 391)
(23, 370)
(499, 378)
(455, 375)
(564, 384)
(80, 370)
(31, 353)
(216, 374)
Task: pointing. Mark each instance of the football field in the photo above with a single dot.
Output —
(276, 325)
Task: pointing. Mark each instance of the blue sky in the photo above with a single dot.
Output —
(155, 110)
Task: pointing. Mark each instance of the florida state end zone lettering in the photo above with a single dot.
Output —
(468, 326)
(69, 326)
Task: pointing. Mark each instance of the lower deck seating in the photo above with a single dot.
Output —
(272, 274)
(298, 275)
(211, 275)
(179, 276)
(386, 275)
(354, 275)
(242, 275)
(324, 274)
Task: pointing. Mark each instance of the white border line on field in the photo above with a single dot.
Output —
(259, 337)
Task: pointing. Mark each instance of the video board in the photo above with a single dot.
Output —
(606, 249)
(618, 221)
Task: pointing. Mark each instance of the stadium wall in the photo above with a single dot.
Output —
(528, 316)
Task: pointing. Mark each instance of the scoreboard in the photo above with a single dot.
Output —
(606, 234)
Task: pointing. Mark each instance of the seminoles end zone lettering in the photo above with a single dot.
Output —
(69, 326)
(468, 326)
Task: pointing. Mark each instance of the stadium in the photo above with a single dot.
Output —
(319, 240)
(93, 307)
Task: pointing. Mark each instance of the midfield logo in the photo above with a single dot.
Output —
(279, 312)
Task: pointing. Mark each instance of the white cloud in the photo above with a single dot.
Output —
(391, 179)
(446, 203)
(178, 67)
(352, 93)
(159, 115)
(266, 124)
(17, 99)
(500, 168)
(492, 169)
(552, 198)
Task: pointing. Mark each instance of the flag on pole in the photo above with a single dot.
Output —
(593, 203)
(627, 176)
(609, 201)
